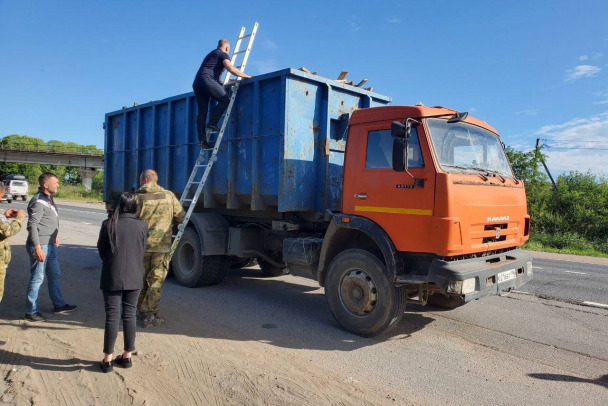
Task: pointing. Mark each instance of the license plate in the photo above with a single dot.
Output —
(506, 275)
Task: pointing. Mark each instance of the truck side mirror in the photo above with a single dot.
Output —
(399, 154)
(398, 129)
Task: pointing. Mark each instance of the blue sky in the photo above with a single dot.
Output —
(532, 69)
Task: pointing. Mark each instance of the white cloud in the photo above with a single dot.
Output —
(586, 142)
(603, 95)
(393, 20)
(529, 112)
(592, 56)
(581, 71)
(583, 57)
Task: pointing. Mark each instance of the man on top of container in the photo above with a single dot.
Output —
(207, 85)
(158, 208)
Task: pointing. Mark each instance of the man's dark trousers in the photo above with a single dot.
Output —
(205, 89)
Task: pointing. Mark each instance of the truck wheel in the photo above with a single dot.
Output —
(445, 301)
(360, 294)
(24, 198)
(9, 201)
(270, 270)
(191, 268)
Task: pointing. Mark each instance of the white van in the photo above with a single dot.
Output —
(17, 186)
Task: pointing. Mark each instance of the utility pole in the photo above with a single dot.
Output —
(543, 161)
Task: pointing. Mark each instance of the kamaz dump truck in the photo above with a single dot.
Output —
(382, 205)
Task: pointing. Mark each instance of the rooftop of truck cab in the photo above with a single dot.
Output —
(400, 113)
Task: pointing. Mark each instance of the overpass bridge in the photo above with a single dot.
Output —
(88, 161)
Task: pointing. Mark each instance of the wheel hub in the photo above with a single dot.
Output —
(358, 292)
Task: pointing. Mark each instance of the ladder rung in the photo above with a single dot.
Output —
(239, 52)
(200, 166)
(245, 36)
(188, 200)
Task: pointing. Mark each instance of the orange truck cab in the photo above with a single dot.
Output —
(429, 197)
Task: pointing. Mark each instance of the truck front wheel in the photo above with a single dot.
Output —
(360, 294)
(193, 269)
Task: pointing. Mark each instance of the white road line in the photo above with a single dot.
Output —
(537, 267)
(593, 304)
(84, 222)
(578, 273)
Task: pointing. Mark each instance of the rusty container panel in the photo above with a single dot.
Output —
(283, 149)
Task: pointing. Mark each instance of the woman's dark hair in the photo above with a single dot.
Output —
(126, 203)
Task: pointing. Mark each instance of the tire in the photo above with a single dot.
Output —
(9, 201)
(445, 301)
(191, 268)
(360, 294)
(270, 270)
(24, 198)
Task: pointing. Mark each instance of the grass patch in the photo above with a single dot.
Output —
(76, 193)
(567, 243)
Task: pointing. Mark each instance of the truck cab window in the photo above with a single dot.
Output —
(380, 150)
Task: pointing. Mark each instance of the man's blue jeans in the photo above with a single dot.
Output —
(50, 267)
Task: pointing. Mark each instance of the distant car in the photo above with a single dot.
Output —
(7, 196)
(16, 185)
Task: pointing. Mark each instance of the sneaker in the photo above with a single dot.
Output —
(157, 321)
(213, 128)
(106, 366)
(34, 317)
(65, 309)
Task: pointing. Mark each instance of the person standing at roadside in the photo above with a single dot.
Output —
(41, 246)
(207, 86)
(10, 224)
(121, 246)
(158, 208)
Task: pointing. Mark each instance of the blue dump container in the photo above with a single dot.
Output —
(283, 149)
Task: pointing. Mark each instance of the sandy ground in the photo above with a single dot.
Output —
(56, 362)
(258, 341)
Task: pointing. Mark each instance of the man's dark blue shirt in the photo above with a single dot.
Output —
(212, 66)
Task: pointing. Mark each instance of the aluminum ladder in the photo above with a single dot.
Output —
(196, 183)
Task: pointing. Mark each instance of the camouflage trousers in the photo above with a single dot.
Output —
(2, 274)
(156, 266)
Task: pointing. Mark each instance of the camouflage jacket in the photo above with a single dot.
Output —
(158, 208)
(7, 228)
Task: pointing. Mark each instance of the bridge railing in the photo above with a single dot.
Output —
(57, 149)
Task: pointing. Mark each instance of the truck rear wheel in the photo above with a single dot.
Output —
(360, 294)
(24, 198)
(191, 268)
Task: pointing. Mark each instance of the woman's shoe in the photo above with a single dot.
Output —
(106, 366)
(123, 362)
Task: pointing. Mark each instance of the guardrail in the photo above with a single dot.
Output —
(52, 149)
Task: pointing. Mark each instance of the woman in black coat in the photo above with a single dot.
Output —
(121, 245)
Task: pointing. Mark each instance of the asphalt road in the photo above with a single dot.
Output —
(566, 281)
(569, 281)
(72, 213)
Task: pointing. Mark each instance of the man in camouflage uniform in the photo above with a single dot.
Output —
(8, 228)
(158, 208)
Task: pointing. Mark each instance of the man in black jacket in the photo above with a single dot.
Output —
(207, 85)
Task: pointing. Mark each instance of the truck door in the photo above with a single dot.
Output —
(374, 190)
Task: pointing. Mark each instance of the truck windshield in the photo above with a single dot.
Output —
(465, 148)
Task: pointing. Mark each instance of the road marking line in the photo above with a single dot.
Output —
(578, 273)
(84, 222)
(593, 304)
(522, 293)
(537, 267)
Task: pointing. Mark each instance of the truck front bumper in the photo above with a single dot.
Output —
(478, 277)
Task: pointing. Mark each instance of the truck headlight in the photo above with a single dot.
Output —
(461, 287)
